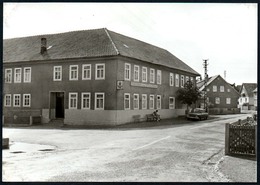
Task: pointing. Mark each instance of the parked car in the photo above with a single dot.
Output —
(197, 114)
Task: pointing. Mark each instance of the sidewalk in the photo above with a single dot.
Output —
(239, 169)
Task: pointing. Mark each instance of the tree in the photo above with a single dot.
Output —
(189, 94)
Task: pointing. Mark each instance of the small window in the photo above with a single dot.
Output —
(151, 101)
(177, 81)
(192, 80)
(228, 100)
(17, 100)
(182, 81)
(26, 100)
(215, 88)
(8, 100)
(27, 74)
(17, 75)
(152, 76)
(127, 101)
(127, 71)
(187, 79)
(217, 100)
(144, 101)
(86, 72)
(144, 74)
(228, 90)
(136, 73)
(73, 72)
(159, 76)
(171, 103)
(99, 101)
(136, 101)
(171, 79)
(73, 100)
(8, 75)
(159, 102)
(57, 73)
(208, 89)
(85, 100)
(222, 89)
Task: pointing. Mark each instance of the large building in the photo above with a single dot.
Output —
(90, 77)
(220, 98)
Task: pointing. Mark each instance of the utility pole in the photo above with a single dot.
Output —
(205, 65)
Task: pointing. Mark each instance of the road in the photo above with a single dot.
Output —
(175, 153)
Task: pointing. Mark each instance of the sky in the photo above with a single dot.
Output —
(225, 34)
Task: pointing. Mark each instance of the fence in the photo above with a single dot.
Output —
(241, 137)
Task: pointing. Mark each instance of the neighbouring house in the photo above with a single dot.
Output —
(246, 99)
(218, 96)
(90, 77)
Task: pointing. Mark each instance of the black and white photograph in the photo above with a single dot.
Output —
(129, 92)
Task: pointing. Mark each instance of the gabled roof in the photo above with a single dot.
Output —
(201, 84)
(249, 87)
(88, 43)
(254, 91)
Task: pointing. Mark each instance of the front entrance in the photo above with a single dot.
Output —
(59, 109)
(56, 105)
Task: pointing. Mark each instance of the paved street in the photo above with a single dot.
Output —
(187, 152)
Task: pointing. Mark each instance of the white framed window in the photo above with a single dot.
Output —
(192, 80)
(152, 76)
(73, 100)
(17, 100)
(177, 80)
(86, 72)
(217, 100)
(8, 75)
(144, 101)
(99, 101)
(27, 74)
(127, 101)
(136, 101)
(26, 100)
(17, 75)
(100, 71)
(228, 100)
(159, 77)
(171, 79)
(127, 71)
(85, 100)
(215, 88)
(57, 73)
(136, 73)
(73, 72)
(222, 89)
(8, 100)
(182, 81)
(187, 79)
(144, 74)
(228, 90)
(171, 102)
(159, 102)
(151, 101)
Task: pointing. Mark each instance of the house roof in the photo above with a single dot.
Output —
(255, 90)
(201, 84)
(249, 87)
(88, 43)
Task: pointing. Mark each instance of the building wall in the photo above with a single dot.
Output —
(42, 85)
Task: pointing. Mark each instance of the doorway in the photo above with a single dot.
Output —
(56, 105)
(59, 108)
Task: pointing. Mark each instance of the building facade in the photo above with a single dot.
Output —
(220, 98)
(90, 77)
(247, 99)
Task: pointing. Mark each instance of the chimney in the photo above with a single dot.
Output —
(43, 45)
